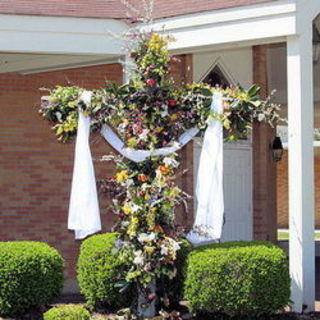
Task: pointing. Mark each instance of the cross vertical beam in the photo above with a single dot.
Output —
(301, 170)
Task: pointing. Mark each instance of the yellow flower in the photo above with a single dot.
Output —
(122, 176)
(132, 142)
(135, 220)
(159, 129)
(147, 196)
(174, 117)
(149, 250)
(126, 208)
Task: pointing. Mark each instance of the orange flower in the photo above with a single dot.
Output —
(164, 169)
(142, 177)
(157, 228)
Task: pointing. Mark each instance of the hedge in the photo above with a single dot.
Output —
(238, 278)
(99, 269)
(31, 274)
(67, 312)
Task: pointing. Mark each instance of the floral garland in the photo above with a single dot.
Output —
(147, 113)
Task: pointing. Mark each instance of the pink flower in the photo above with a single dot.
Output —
(151, 82)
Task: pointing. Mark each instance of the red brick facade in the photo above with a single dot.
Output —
(282, 190)
(36, 170)
(264, 168)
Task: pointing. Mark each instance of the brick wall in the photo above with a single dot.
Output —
(36, 170)
(264, 169)
(282, 190)
(182, 73)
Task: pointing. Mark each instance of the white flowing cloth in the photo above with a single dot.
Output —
(84, 214)
(208, 223)
(142, 155)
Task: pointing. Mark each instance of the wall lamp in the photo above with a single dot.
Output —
(277, 149)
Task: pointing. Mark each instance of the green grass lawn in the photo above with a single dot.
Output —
(284, 235)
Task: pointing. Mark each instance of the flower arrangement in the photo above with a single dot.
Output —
(147, 113)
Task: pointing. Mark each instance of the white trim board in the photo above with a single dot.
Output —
(60, 35)
(246, 25)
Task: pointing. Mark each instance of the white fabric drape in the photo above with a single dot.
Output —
(84, 214)
(209, 190)
(142, 155)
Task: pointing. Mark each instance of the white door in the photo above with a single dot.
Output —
(237, 188)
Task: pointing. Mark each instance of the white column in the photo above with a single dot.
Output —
(301, 171)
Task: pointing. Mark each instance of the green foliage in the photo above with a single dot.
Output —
(67, 312)
(31, 274)
(174, 287)
(61, 109)
(99, 270)
(238, 278)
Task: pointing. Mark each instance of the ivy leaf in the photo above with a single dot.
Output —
(254, 90)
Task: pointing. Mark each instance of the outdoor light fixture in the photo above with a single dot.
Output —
(277, 149)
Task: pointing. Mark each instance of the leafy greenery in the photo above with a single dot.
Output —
(99, 269)
(31, 274)
(238, 278)
(67, 312)
(101, 273)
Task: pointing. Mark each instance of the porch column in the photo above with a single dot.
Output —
(301, 175)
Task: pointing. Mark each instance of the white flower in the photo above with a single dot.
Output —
(86, 97)
(261, 117)
(134, 207)
(138, 260)
(164, 250)
(175, 245)
(144, 135)
(144, 237)
(129, 182)
(165, 112)
(170, 162)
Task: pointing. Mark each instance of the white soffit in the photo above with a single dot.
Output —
(35, 63)
(255, 24)
(60, 35)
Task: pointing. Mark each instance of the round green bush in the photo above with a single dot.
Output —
(31, 274)
(98, 272)
(67, 312)
(238, 278)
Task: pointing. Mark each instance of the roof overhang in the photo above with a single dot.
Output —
(60, 35)
(255, 24)
(62, 42)
(30, 44)
(269, 22)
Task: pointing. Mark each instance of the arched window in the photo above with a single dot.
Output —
(216, 78)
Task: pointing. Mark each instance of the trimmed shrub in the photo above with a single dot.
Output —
(99, 269)
(98, 272)
(238, 278)
(67, 312)
(31, 274)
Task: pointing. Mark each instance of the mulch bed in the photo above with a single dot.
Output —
(182, 314)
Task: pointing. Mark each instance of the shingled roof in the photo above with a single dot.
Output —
(114, 8)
